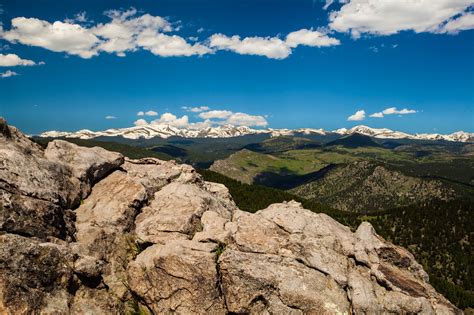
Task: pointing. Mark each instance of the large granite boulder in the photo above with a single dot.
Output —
(87, 166)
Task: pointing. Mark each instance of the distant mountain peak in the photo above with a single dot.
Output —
(228, 131)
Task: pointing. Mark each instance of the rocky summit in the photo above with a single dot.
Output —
(87, 231)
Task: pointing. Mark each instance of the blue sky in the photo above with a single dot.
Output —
(336, 62)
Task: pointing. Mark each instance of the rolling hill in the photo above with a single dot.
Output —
(355, 140)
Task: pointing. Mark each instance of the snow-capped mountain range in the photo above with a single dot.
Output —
(227, 131)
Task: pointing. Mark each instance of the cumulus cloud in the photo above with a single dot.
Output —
(125, 32)
(8, 74)
(215, 114)
(242, 119)
(167, 46)
(393, 111)
(226, 117)
(310, 38)
(462, 23)
(110, 117)
(58, 36)
(140, 122)
(128, 32)
(271, 47)
(377, 115)
(210, 118)
(195, 109)
(359, 115)
(386, 17)
(172, 120)
(12, 60)
(151, 113)
(147, 113)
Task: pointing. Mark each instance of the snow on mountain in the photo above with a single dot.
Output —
(459, 136)
(383, 133)
(227, 131)
(162, 131)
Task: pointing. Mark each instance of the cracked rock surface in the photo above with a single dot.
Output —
(87, 231)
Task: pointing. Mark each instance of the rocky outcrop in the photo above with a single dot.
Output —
(85, 231)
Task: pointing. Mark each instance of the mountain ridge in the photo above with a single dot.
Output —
(228, 131)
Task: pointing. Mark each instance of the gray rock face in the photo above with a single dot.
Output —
(34, 192)
(83, 231)
(87, 166)
(33, 276)
(180, 276)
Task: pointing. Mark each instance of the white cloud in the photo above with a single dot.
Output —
(359, 115)
(195, 109)
(8, 74)
(172, 120)
(462, 23)
(80, 17)
(169, 45)
(58, 36)
(215, 114)
(12, 60)
(328, 4)
(125, 32)
(120, 34)
(210, 118)
(110, 117)
(243, 119)
(407, 111)
(386, 17)
(226, 117)
(377, 115)
(271, 47)
(147, 113)
(140, 122)
(310, 38)
(393, 111)
(151, 113)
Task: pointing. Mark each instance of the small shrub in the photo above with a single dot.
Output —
(221, 247)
